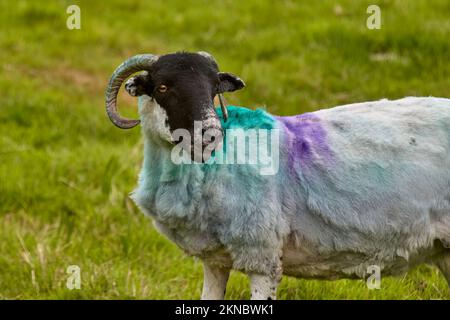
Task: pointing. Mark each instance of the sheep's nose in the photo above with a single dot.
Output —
(211, 135)
(212, 132)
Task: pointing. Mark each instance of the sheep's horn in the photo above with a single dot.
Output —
(127, 68)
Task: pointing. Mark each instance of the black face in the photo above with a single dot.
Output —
(184, 85)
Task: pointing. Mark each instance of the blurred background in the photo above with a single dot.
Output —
(66, 171)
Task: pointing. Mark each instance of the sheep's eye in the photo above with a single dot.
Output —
(162, 88)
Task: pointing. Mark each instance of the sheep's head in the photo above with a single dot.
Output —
(182, 86)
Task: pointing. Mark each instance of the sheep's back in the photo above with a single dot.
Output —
(376, 176)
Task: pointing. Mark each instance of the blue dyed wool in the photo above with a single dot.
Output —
(358, 185)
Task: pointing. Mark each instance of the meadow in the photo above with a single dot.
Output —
(66, 171)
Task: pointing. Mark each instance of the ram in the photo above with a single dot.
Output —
(357, 185)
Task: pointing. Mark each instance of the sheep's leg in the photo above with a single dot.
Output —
(138, 85)
(214, 282)
(264, 287)
(444, 265)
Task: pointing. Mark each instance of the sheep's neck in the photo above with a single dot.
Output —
(158, 163)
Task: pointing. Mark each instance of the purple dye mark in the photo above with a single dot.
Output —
(306, 140)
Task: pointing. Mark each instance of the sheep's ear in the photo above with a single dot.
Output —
(229, 82)
(139, 85)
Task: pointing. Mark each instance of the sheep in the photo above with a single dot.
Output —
(358, 185)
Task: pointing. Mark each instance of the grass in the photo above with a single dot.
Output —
(65, 171)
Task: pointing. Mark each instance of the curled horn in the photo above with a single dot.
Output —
(127, 68)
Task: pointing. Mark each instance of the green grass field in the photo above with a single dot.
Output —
(66, 171)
